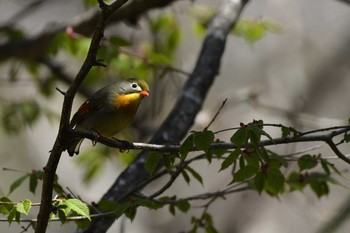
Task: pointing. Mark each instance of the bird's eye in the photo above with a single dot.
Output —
(134, 85)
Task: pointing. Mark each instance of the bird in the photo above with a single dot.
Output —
(109, 111)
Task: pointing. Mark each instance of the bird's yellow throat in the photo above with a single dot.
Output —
(127, 100)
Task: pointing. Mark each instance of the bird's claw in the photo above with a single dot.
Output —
(96, 135)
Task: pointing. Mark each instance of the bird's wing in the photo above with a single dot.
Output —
(90, 105)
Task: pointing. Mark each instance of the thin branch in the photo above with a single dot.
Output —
(125, 145)
(216, 115)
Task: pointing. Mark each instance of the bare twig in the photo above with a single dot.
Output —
(216, 115)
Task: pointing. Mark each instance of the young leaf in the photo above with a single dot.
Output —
(186, 146)
(240, 137)
(183, 206)
(78, 207)
(12, 215)
(27, 205)
(275, 181)
(244, 173)
(131, 212)
(319, 187)
(195, 174)
(5, 208)
(230, 159)
(121, 209)
(186, 176)
(17, 183)
(202, 140)
(33, 182)
(24, 207)
(285, 131)
(119, 41)
(307, 162)
(152, 162)
(148, 203)
(210, 229)
(259, 181)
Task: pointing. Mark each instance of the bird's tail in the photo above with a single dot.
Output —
(74, 146)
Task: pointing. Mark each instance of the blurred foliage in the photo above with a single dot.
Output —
(251, 30)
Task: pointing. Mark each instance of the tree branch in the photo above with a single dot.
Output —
(181, 118)
(304, 137)
(62, 136)
(37, 46)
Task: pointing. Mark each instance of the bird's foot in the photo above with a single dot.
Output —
(96, 136)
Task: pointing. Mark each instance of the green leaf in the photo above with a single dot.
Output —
(319, 187)
(5, 208)
(195, 174)
(259, 181)
(202, 140)
(285, 131)
(275, 181)
(24, 207)
(159, 58)
(230, 159)
(78, 207)
(254, 30)
(33, 182)
(186, 176)
(307, 162)
(152, 161)
(240, 137)
(244, 173)
(296, 182)
(13, 213)
(183, 206)
(148, 203)
(131, 212)
(172, 209)
(347, 137)
(17, 183)
(62, 215)
(119, 41)
(324, 164)
(186, 146)
(276, 157)
(121, 208)
(210, 229)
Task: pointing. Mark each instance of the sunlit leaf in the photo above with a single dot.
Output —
(78, 207)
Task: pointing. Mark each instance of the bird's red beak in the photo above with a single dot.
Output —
(144, 93)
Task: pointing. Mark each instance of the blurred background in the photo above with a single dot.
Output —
(294, 71)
